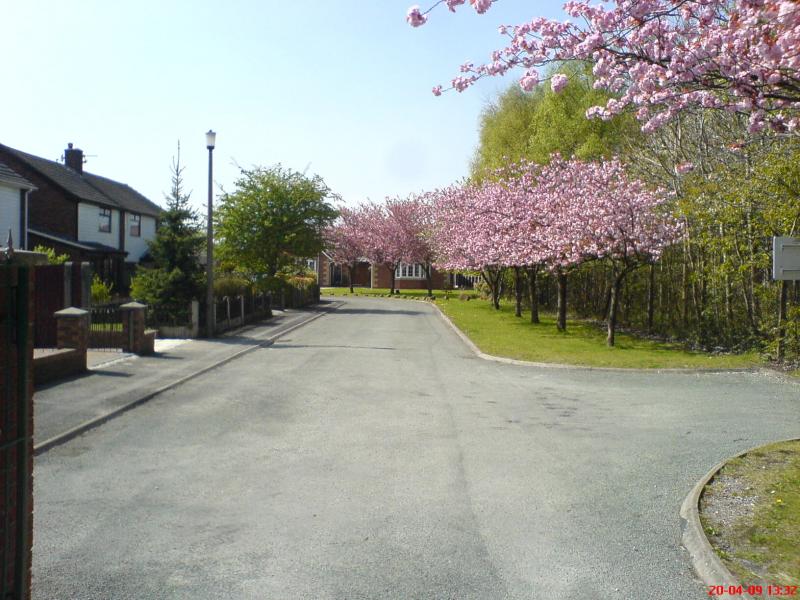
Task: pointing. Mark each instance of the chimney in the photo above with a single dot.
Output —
(73, 158)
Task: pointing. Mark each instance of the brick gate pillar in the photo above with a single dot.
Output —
(72, 328)
(136, 339)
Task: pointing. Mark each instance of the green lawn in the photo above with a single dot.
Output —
(500, 333)
(758, 541)
(407, 294)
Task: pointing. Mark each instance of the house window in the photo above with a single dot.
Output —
(136, 226)
(105, 220)
(311, 264)
(405, 271)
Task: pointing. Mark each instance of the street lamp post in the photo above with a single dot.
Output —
(210, 312)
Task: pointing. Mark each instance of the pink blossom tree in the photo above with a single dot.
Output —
(467, 234)
(626, 226)
(390, 235)
(662, 56)
(414, 216)
(597, 212)
(556, 216)
(345, 239)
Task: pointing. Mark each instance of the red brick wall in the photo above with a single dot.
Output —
(383, 279)
(58, 364)
(323, 271)
(362, 275)
(49, 207)
(12, 428)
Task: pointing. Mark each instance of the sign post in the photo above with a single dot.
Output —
(786, 258)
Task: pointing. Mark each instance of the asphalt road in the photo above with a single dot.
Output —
(372, 455)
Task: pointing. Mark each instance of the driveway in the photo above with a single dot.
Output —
(370, 454)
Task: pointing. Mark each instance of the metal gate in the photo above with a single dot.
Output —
(16, 440)
(48, 298)
(105, 327)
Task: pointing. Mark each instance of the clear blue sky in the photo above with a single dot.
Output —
(341, 86)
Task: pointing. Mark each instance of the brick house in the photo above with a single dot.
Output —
(14, 192)
(331, 274)
(86, 216)
(407, 277)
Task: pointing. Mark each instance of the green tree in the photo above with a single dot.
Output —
(177, 276)
(535, 125)
(274, 216)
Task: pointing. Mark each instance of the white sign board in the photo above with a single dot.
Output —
(786, 258)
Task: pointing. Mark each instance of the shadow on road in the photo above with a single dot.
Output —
(105, 373)
(377, 311)
(279, 345)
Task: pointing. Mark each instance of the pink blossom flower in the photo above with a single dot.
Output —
(414, 17)
(662, 57)
(481, 6)
(530, 80)
(558, 82)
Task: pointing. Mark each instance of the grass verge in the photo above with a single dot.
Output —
(751, 514)
(500, 333)
(384, 292)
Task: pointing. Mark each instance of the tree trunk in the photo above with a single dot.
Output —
(614, 308)
(607, 301)
(782, 320)
(429, 277)
(533, 292)
(651, 297)
(561, 323)
(352, 270)
(492, 279)
(392, 270)
(518, 290)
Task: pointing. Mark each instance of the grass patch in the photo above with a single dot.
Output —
(106, 327)
(500, 333)
(384, 292)
(759, 544)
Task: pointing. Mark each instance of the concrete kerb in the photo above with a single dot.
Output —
(705, 561)
(97, 421)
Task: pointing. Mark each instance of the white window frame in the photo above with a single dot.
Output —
(104, 220)
(135, 221)
(410, 271)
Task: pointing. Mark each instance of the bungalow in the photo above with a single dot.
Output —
(86, 216)
(14, 191)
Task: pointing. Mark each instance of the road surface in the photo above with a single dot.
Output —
(370, 454)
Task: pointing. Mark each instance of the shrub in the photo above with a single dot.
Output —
(52, 257)
(231, 285)
(101, 291)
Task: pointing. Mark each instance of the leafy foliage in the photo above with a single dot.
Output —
(177, 275)
(53, 257)
(535, 125)
(274, 216)
(100, 290)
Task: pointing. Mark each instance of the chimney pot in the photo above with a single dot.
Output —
(73, 158)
